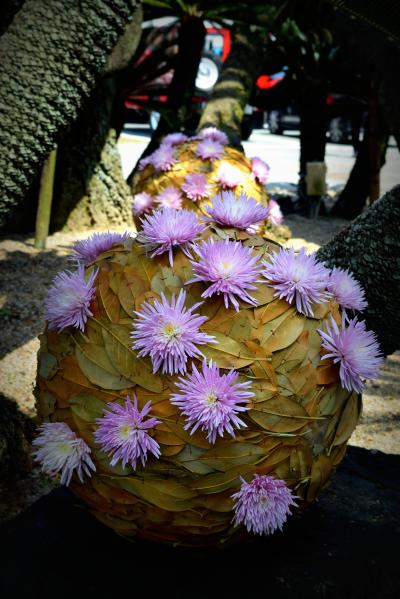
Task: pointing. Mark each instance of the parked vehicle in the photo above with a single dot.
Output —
(344, 114)
(217, 46)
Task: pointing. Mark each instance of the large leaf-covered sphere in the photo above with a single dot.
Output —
(294, 429)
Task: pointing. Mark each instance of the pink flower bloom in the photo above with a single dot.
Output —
(214, 134)
(263, 505)
(69, 298)
(230, 267)
(207, 149)
(242, 212)
(300, 278)
(170, 197)
(164, 158)
(175, 138)
(229, 176)
(259, 170)
(60, 451)
(355, 349)
(123, 433)
(145, 162)
(141, 202)
(196, 187)
(275, 214)
(346, 291)
(169, 333)
(211, 400)
(167, 229)
(89, 249)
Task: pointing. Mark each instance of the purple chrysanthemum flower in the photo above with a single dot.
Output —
(229, 176)
(355, 349)
(242, 212)
(346, 291)
(214, 134)
(211, 400)
(170, 197)
(259, 170)
(60, 451)
(89, 249)
(68, 300)
(230, 267)
(141, 202)
(300, 278)
(123, 433)
(196, 187)
(207, 149)
(169, 332)
(175, 138)
(164, 158)
(168, 228)
(275, 215)
(144, 162)
(263, 505)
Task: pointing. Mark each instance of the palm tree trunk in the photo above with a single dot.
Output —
(231, 93)
(370, 248)
(52, 55)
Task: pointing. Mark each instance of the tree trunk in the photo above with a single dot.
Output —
(357, 190)
(230, 95)
(313, 122)
(179, 106)
(90, 187)
(52, 53)
(390, 88)
(370, 248)
(178, 110)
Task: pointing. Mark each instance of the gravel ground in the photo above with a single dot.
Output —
(26, 273)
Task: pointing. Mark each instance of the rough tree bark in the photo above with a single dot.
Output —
(90, 187)
(52, 54)
(370, 248)
(225, 108)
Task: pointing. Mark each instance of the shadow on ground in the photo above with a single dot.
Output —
(344, 546)
(22, 310)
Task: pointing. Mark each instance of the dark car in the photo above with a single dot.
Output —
(344, 115)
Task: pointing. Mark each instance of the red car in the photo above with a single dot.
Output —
(142, 106)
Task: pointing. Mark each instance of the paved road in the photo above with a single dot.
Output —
(280, 151)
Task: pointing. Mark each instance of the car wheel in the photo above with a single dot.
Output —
(339, 130)
(208, 72)
(274, 122)
(154, 119)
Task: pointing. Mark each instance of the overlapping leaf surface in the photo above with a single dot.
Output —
(297, 425)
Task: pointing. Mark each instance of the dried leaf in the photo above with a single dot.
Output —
(117, 343)
(166, 494)
(97, 375)
(279, 414)
(348, 419)
(225, 457)
(282, 331)
(87, 407)
(109, 300)
(216, 483)
(47, 365)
